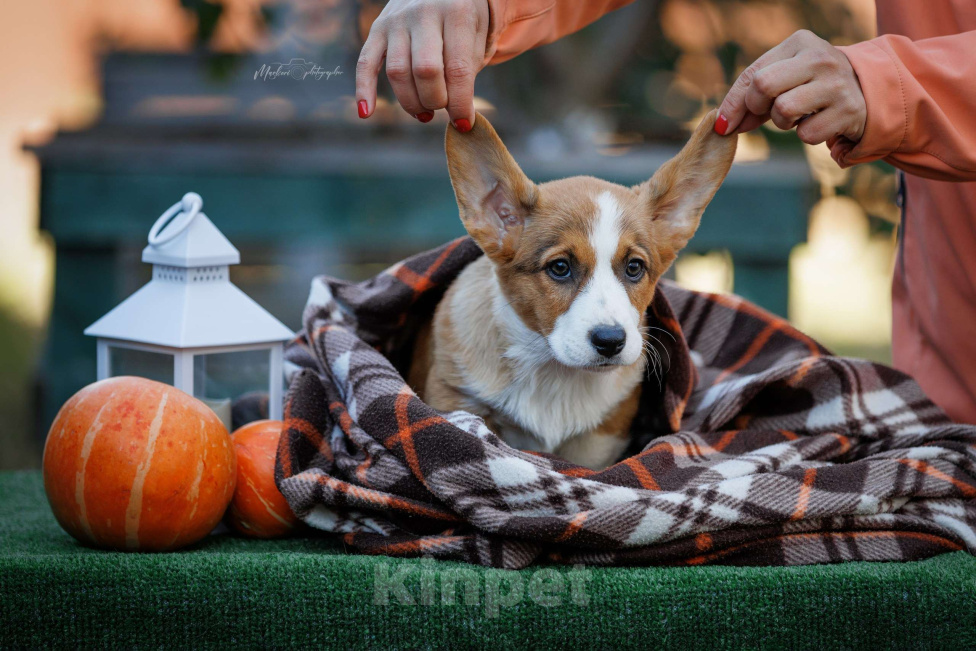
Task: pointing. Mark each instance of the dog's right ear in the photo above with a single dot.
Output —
(493, 194)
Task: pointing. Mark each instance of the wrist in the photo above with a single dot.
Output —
(885, 114)
(859, 113)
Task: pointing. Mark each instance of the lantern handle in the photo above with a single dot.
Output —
(188, 208)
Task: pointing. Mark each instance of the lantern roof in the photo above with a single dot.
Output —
(190, 302)
(185, 237)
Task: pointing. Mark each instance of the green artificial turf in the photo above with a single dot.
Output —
(307, 591)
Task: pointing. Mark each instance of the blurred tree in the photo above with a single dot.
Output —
(654, 64)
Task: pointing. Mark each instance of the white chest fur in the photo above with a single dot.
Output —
(553, 404)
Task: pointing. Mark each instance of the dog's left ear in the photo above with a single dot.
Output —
(679, 191)
(493, 194)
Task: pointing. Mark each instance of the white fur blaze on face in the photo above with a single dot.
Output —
(603, 301)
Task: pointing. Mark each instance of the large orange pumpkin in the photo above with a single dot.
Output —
(138, 465)
(258, 509)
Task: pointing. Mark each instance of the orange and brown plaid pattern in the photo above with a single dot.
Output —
(759, 448)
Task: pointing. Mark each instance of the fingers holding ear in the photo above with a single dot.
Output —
(399, 70)
(367, 72)
(434, 49)
(427, 59)
(462, 61)
(735, 108)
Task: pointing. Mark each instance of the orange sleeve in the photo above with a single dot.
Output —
(921, 103)
(520, 25)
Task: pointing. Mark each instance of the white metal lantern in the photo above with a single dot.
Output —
(190, 327)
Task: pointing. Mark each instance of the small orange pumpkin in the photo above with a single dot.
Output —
(138, 465)
(258, 509)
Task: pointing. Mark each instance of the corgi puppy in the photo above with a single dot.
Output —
(545, 336)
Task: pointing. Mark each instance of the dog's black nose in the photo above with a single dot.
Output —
(608, 339)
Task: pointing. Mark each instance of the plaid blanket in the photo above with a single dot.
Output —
(758, 448)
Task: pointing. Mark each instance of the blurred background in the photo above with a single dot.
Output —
(112, 110)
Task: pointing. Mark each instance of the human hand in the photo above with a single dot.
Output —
(804, 82)
(433, 49)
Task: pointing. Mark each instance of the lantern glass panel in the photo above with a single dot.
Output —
(221, 378)
(141, 363)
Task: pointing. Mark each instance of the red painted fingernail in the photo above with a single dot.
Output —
(721, 125)
(363, 109)
(425, 117)
(462, 125)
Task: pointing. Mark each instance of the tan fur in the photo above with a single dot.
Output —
(479, 353)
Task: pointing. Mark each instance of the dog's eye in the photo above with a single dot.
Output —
(559, 269)
(635, 269)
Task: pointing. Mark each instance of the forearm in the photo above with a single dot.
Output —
(520, 25)
(921, 100)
